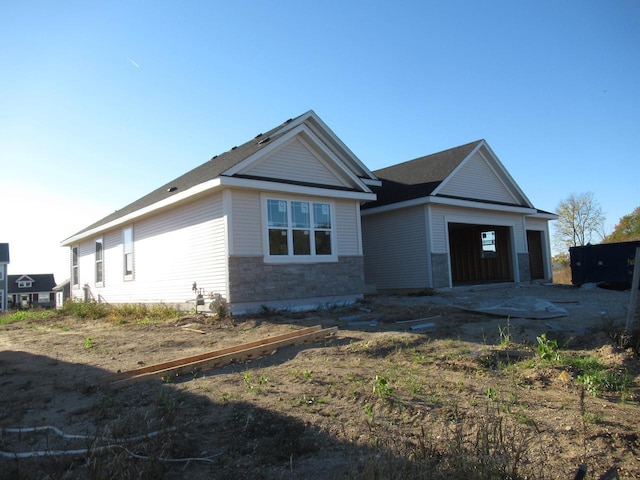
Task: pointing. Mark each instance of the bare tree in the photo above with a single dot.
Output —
(580, 219)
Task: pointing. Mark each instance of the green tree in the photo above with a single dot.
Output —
(580, 219)
(627, 229)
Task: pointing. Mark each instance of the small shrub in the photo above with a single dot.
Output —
(548, 349)
(381, 386)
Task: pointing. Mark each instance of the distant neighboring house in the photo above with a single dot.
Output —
(272, 223)
(63, 292)
(4, 285)
(34, 290)
(453, 218)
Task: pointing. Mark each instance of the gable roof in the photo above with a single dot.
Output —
(227, 165)
(4, 253)
(427, 176)
(419, 177)
(41, 283)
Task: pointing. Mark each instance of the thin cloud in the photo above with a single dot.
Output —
(134, 63)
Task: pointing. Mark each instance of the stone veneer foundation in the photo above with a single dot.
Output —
(252, 280)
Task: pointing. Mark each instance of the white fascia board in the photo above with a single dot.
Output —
(174, 199)
(544, 215)
(372, 182)
(450, 202)
(507, 174)
(275, 144)
(457, 169)
(340, 143)
(265, 185)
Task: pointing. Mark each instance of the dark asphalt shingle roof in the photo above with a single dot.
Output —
(419, 177)
(4, 252)
(42, 282)
(203, 173)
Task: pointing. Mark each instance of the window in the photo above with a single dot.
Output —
(127, 242)
(24, 284)
(489, 244)
(74, 266)
(299, 228)
(99, 261)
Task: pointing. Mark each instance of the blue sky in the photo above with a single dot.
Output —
(102, 102)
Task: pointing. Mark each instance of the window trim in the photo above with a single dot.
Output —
(75, 266)
(290, 258)
(128, 277)
(99, 283)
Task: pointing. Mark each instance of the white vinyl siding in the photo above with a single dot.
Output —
(172, 250)
(477, 180)
(294, 161)
(246, 221)
(395, 249)
(348, 228)
(536, 224)
(441, 216)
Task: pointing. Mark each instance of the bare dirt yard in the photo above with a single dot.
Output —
(409, 387)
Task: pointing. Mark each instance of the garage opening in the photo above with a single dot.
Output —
(480, 254)
(536, 260)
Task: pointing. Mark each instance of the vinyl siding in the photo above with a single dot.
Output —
(395, 249)
(294, 161)
(536, 224)
(348, 228)
(171, 251)
(246, 223)
(476, 179)
(441, 215)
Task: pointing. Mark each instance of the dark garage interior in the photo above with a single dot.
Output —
(480, 254)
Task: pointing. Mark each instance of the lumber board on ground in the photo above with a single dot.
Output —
(218, 358)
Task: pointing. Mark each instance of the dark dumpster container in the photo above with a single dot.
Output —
(607, 263)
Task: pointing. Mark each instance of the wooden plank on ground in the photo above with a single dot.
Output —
(219, 358)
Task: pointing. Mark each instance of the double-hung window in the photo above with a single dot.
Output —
(299, 229)
(99, 262)
(127, 242)
(75, 280)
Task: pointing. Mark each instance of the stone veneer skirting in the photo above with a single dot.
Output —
(440, 270)
(524, 267)
(253, 280)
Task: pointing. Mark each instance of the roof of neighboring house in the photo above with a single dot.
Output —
(4, 253)
(42, 282)
(419, 177)
(216, 167)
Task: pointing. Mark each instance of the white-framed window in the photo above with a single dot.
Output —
(299, 230)
(44, 297)
(127, 260)
(99, 262)
(1, 272)
(75, 270)
(24, 284)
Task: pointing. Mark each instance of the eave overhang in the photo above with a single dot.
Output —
(456, 202)
(218, 184)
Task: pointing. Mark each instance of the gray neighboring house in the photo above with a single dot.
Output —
(274, 223)
(452, 218)
(4, 276)
(34, 290)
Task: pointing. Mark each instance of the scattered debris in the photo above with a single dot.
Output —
(423, 326)
(418, 319)
(522, 307)
(218, 358)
